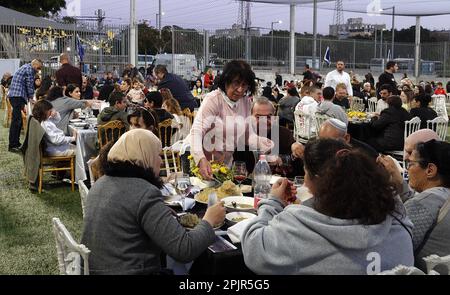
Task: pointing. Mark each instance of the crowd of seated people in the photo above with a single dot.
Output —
(127, 225)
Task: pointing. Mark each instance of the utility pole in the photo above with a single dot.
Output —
(159, 19)
(100, 17)
(133, 33)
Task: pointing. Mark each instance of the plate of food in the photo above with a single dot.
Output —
(75, 120)
(235, 217)
(239, 203)
(189, 221)
(79, 124)
(228, 188)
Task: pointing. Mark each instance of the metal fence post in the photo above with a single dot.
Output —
(354, 54)
(445, 59)
(173, 50)
(206, 48)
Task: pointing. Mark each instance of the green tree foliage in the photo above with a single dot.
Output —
(34, 7)
(150, 42)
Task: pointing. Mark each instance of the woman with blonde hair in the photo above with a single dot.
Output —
(179, 121)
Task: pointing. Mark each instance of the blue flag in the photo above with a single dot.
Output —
(327, 57)
(79, 48)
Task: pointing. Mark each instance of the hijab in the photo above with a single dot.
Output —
(138, 146)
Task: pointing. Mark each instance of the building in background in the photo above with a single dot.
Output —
(355, 27)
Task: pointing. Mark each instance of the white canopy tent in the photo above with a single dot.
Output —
(385, 7)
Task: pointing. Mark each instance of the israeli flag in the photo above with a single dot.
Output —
(79, 48)
(327, 58)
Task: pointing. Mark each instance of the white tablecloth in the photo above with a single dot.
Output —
(85, 150)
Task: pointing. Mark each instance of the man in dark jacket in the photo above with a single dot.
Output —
(177, 86)
(389, 127)
(116, 111)
(388, 77)
(67, 73)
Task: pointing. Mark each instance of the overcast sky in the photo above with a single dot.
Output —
(214, 14)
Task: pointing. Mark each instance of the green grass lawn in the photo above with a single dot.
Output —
(27, 244)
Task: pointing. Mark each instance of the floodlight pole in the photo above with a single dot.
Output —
(314, 55)
(133, 33)
(292, 40)
(393, 33)
(417, 53)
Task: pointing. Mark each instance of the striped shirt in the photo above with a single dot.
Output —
(22, 84)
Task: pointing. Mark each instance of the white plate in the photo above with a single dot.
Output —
(239, 200)
(79, 124)
(246, 215)
(75, 120)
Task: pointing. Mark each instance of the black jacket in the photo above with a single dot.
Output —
(388, 78)
(389, 129)
(179, 90)
(424, 114)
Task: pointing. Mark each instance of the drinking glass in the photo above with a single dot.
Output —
(298, 181)
(285, 165)
(182, 184)
(239, 172)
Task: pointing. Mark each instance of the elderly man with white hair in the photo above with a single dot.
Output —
(334, 128)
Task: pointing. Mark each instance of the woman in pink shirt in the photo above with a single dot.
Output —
(223, 122)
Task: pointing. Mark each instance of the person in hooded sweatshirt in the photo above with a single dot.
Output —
(116, 111)
(348, 227)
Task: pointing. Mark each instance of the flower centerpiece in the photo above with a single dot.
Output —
(220, 171)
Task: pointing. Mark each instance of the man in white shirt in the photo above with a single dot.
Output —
(339, 76)
(385, 92)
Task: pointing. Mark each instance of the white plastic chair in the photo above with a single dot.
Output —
(69, 252)
(440, 126)
(373, 101)
(83, 195)
(302, 126)
(319, 119)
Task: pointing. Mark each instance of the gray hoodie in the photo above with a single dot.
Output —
(300, 240)
(332, 110)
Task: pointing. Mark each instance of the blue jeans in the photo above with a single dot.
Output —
(17, 104)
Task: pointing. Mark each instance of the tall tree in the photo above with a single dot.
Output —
(34, 7)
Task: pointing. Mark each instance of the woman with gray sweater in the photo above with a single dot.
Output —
(352, 227)
(127, 225)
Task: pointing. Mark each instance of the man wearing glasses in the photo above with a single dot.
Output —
(20, 92)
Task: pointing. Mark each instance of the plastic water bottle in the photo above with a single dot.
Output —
(262, 175)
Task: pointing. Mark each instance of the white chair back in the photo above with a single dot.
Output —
(83, 195)
(412, 126)
(440, 126)
(171, 161)
(319, 119)
(434, 260)
(358, 104)
(373, 101)
(69, 252)
(302, 126)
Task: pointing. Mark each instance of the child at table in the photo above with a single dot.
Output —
(56, 143)
(136, 95)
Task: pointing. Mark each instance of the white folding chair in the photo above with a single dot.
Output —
(83, 195)
(302, 126)
(373, 101)
(69, 252)
(440, 126)
(319, 119)
(171, 162)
